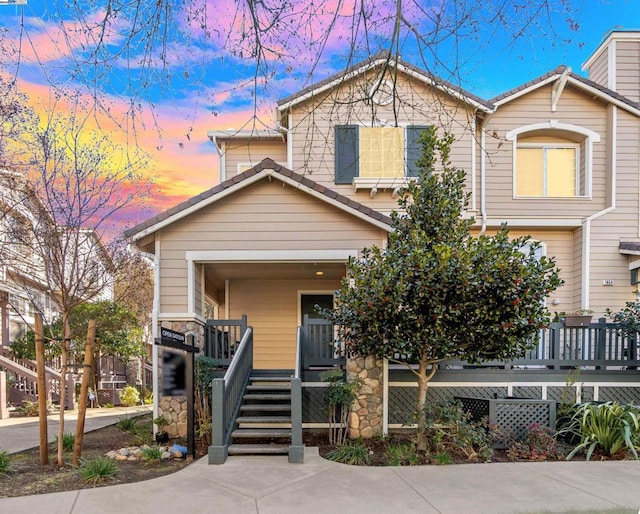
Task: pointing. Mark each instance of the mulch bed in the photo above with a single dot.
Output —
(29, 477)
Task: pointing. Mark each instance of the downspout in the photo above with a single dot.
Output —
(289, 140)
(474, 156)
(586, 224)
(483, 176)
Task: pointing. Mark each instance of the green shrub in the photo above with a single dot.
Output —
(95, 470)
(5, 463)
(401, 454)
(610, 428)
(127, 424)
(29, 409)
(147, 396)
(68, 440)
(538, 444)
(450, 430)
(442, 458)
(356, 454)
(129, 396)
(151, 453)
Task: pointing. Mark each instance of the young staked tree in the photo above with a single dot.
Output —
(59, 239)
(438, 292)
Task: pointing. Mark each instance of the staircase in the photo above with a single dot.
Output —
(264, 423)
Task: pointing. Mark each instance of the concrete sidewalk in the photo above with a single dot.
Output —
(18, 434)
(270, 484)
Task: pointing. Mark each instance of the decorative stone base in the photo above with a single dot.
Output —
(174, 409)
(365, 418)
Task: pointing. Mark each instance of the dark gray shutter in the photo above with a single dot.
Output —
(346, 137)
(414, 148)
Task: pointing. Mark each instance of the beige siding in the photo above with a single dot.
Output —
(263, 216)
(599, 70)
(272, 310)
(240, 154)
(622, 223)
(576, 283)
(628, 69)
(573, 108)
(313, 129)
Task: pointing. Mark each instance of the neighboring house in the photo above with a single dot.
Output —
(556, 158)
(23, 286)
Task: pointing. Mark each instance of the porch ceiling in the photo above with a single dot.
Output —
(217, 273)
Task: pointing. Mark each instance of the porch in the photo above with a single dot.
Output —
(568, 364)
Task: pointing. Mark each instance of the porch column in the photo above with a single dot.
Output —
(365, 418)
(4, 317)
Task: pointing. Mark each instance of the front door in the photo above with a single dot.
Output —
(317, 350)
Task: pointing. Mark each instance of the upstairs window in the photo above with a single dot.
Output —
(548, 171)
(376, 152)
(552, 160)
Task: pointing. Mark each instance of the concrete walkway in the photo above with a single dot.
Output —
(18, 434)
(265, 485)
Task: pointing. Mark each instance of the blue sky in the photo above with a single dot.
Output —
(206, 82)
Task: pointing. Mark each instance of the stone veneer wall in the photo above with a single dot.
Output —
(174, 408)
(365, 418)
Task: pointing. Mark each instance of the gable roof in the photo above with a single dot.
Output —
(264, 169)
(575, 80)
(383, 58)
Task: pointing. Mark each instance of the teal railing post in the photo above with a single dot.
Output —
(555, 344)
(296, 450)
(601, 348)
(218, 451)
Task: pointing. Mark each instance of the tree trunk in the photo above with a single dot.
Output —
(84, 391)
(63, 390)
(423, 384)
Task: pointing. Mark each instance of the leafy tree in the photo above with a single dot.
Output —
(438, 292)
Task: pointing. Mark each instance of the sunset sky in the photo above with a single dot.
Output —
(207, 82)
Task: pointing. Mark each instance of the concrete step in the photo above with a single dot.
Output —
(258, 449)
(266, 407)
(263, 419)
(261, 433)
(267, 396)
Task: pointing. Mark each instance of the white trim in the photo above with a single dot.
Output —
(181, 316)
(368, 66)
(270, 255)
(327, 292)
(381, 183)
(611, 36)
(536, 222)
(543, 146)
(247, 182)
(203, 293)
(558, 88)
(222, 161)
(385, 396)
(474, 144)
(553, 125)
(586, 264)
(290, 141)
(483, 176)
(191, 286)
(590, 135)
(635, 264)
(227, 300)
(612, 79)
(576, 83)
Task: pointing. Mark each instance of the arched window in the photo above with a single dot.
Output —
(552, 160)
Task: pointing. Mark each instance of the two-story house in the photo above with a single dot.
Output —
(556, 158)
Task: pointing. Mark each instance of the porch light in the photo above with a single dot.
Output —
(319, 273)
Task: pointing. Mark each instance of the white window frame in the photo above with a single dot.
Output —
(544, 146)
(590, 137)
(245, 165)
